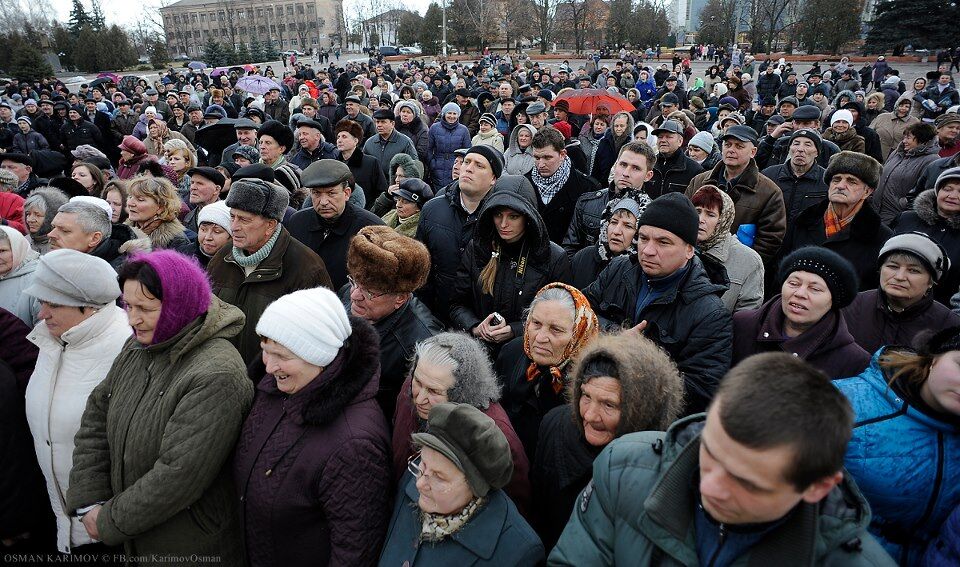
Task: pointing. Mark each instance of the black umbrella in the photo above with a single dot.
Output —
(128, 82)
(97, 82)
(214, 138)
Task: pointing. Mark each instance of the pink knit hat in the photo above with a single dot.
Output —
(186, 290)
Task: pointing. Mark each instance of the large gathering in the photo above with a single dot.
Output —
(492, 311)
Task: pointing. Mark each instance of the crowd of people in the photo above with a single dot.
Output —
(427, 314)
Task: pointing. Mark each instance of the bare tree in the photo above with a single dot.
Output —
(16, 15)
(545, 10)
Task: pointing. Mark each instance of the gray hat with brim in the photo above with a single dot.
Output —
(74, 279)
(928, 251)
(259, 197)
(952, 174)
(325, 173)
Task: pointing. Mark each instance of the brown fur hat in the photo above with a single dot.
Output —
(861, 166)
(349, 126)
(385, 261)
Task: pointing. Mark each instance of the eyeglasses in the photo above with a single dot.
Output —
(415, 466)
(366, 294)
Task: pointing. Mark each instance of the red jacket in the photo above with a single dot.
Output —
(11, 211)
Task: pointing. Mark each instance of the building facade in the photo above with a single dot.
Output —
(301, 25)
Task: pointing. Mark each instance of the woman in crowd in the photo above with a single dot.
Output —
(115, 193)
(158, 135)
(89, 176)
(133, 153)
(453, 367)
(181, 159)
(936, 213)
(411, 125)
(38, 211)
(152, 208)
(842, 133)
(446, 136)
(911, 264)
(18, 265)
(451, 508)
(619, 133)
(410, 197)
(402, 167)
(319, 434)
(618, 235)
(590, 139)
(518, 159)
(213, 232)
(903, 167)
(805, 319)
(509, 259)
(618, 385)
(154, 476)
(704, 150)
(80, 333)
(535, 368)
(721, 251)
(431, 107)
(488, 134)
(905, 442)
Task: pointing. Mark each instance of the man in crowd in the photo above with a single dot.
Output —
(388, 142)
(84, 225)
(558, 185)
(800, 179)
(275, 107)
(537, 113)
(22, 166)
(673, 170)
(774, 148)
(469, 113)
(206, 183)
(246, 131)
(351, 110)
(194, 123)
(313, 147)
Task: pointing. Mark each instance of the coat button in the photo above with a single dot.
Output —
(795, 354)
(766, 335)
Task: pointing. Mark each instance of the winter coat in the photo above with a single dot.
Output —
(170, 235)
(161, 467)
(545, 262)
(304, 157)
(928, 179)
(155, 145)
(899, 176)
(798, 192)
(942, 100)
(67, 371)
(26, 143)
(944, 551)
(758, 202)
(328, 447)
(470, 117)
(903, 460)
(399, 334)
(607, 152)
(946, 231)
(651, 470)
(859, 242)
(16, 351)
(495, 535)
(331, 240)
(129, 169)
(744, 271)
(827, 345)
(25, 307)
(768, 85)
(445, 138)
(890, 128)
(367, 173)
(79, 133)
(290, 266)
(689, 321)
(109, 249)
(124, 123)
(384, 150)
(406, 422)
(492, 138)
(419, 134)
(518, 161)
(671, 174)
(873, 324)
(848, 141)
(558, 213)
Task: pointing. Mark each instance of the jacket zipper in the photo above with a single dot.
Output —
(938, 480)
(720, 541)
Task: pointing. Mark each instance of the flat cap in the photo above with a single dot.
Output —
(325, 173)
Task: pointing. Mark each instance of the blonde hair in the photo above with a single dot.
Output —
(489, 273)
(178, 146)
(161, 190)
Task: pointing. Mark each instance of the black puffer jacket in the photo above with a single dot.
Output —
(930, 174)
(671, 175)
(873, 324)
(689, 321)
(523, 268)
(924, 218)
(798, 192)
(584, 227)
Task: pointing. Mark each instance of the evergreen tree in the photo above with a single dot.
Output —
(88, 52)
(26, 61)
(97, 20)
(920, 23)
(213, 53)
(620, 22)
(257, 51)
(409, 28)
(78, 18)
(157, 51)
(243, 54)
(430, 33)
(63, 43)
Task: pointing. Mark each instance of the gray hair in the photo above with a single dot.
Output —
(553, 294)
(474, 381)
(46, 200)
(90, 217)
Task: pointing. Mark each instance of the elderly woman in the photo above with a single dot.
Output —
(905, 445)
(722, 252)
(133, 153)
(842, 133)
(409, 198)
(214, 231)
(518, 159)
(805, 319)
(450, 509)
(80, 334)
(152, 208)
(402, 167)
(619, 385)
(903, 166)
(115, 194)
(453, 367)
(510, 258)
(153, 476)
(89, 176)
(327, 501)
(38, 211)
(911, 264)
(412, 126)
(181, 158)
(18, 264)
(618, 235)
(445, 136)
(158, 135)
(535, 368)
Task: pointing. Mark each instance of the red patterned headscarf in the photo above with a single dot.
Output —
(585, 328)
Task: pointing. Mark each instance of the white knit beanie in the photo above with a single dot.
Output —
(96, 201)
(311, 323)
(218, 213)
(842, 114)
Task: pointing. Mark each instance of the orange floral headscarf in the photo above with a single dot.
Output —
(585, 328)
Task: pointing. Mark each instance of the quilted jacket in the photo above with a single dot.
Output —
(154, 441)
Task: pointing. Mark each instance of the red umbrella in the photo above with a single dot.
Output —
(587, 101)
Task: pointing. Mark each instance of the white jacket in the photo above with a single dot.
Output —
(12, 298)
(67, 370)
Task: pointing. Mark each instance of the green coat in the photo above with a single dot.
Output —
(154, 439)
(638, 511)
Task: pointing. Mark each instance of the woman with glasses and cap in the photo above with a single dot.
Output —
(18, 265)
(410, 196)
(80, 333)
(618, 236)
(312, 466)
(450, 509)
(911, 266)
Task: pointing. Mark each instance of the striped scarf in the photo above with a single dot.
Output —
(832, 221)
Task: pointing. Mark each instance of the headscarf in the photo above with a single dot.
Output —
(585, 328)
(724, 223)
(641, 199)
(19, 247)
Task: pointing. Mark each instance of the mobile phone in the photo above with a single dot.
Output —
(497, 320)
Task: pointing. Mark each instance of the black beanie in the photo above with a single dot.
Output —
(673, 212)
(279, 132)
(836, 271)
(493, 156)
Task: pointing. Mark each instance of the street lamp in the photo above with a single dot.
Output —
(444, 10)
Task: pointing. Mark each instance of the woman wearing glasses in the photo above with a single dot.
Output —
(312, 465)
(450, 509)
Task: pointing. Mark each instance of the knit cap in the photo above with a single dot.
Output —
(675, 213)
(842, 114)
(494, 157)
(450, 107)
(186, 290)
(218, 213)
(702, 140)
(311, 323)
(836, 271)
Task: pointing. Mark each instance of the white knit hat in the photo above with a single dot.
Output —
(96, 201)
(218, 213)
(311, 323)
(842, 114)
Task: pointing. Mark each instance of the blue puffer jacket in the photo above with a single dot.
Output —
(444, 138)
(945, 550)
(906, 464)
(647, 90)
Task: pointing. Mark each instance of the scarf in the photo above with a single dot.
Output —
(724, 223)
(20, 250)
(585, 329)
(248, 261)
(406, 227)
(548, 187)
(603, 244)
(436, 527)
(832, 221)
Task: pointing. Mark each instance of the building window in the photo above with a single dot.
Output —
(289, 10)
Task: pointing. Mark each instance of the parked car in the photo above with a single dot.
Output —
(411, 51)
(388, 50)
